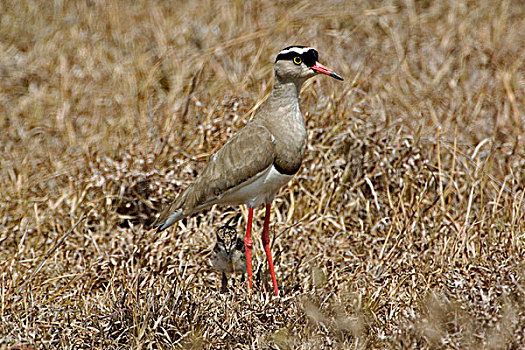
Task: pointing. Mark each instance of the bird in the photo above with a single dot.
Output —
(229, 255)
(260, 158)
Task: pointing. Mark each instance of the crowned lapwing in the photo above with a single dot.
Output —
(261, 158)
(229, 256)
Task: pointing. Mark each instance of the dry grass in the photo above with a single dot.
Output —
(404, 229)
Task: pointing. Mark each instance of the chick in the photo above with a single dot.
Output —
(229, 256)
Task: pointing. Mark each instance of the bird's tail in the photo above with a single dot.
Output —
(172, 213)
(170, 220)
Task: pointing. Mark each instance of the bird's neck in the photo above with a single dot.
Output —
(286, 90)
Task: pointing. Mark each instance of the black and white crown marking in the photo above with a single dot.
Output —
(308, 55)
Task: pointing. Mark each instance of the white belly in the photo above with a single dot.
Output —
(260, 191)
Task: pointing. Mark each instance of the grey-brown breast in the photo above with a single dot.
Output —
(282, 117)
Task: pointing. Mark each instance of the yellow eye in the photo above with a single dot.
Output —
(297, 60)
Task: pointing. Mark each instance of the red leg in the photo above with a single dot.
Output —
(266, 245)
(248, 245)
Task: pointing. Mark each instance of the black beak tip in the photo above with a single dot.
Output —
(336, 76)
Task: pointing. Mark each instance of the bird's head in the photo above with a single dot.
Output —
(226, 239)
(299, 63)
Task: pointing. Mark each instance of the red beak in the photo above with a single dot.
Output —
(319, 68)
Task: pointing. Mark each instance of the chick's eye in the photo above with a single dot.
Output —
(297, 60)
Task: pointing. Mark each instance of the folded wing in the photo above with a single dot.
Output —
(248, 153)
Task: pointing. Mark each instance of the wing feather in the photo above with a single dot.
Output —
(247, 154)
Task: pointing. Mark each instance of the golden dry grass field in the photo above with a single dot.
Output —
(404, 228)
